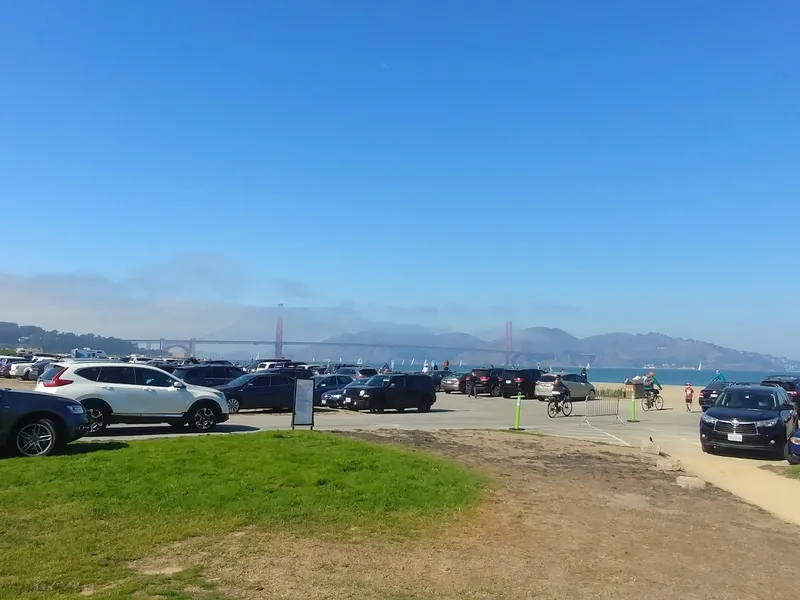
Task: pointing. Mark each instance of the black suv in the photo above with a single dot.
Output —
(790, 383)
(483, 381)
(397, 391)
(749, 417)
(513, 381)
(294, 372)
(33, 424)
(208, 375)
(708, 395)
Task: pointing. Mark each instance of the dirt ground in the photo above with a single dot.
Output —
(557, 524)
(16, 384)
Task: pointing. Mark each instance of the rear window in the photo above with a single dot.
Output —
(183, 373)
(547, 378)
(54, 370)
(369, 372)
(717, 385)
(481, 372)
(789, 386)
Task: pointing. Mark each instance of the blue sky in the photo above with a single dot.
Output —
(251, 153)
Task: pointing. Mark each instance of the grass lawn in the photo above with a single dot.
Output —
(72, 523)
(792, 472)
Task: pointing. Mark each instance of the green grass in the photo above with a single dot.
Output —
(73, 521)
(790, 471)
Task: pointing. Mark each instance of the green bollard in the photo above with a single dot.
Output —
(517, 415)
(633, 408)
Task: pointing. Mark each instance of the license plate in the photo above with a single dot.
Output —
(734, 437)
(508, 381)
(714, 395)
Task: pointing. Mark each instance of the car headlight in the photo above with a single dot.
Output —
(767, 423)
(708, 420)
(76, 409)
(363, 394)
(795, 441)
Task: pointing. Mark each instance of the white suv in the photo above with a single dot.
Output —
(125, 393)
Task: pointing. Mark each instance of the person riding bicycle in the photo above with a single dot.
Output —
(562, 389)
(650, 385)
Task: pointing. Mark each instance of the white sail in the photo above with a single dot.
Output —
(700, 367)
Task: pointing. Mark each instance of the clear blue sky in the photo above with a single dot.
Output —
(558, 145)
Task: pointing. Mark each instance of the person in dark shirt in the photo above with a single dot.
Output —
(561, 387)
(584, 374)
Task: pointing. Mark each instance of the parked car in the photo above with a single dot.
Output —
(393, 391)
(207, 375)
(32, 372)
(485, 381)
(334, 398)
(6, 362)
(326, 384)
(438, 377)
(709, 394)
(33, 424)
(23, 369)
(792, 453)
(259, 390)
(293, 372)
(454, 382)
(751, 417)
(357, 372)
(790, 383)
(579, 387)
(133, 393)
(513, 381)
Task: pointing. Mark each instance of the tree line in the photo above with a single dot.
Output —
(13, 336)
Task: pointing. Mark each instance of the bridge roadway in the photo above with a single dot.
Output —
(456, 411)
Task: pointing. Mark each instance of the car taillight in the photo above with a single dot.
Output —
(484, 379)
(57, 381)
(518, 379)
(792, 393)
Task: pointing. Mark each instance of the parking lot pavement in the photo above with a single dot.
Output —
(456, 411)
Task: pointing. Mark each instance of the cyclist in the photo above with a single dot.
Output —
(561, 387)
(650, 384)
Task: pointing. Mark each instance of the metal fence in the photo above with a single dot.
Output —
(600, 407)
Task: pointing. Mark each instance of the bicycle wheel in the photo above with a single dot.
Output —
(659, 402)
(646, 404)
(566, 408)
(552, 409)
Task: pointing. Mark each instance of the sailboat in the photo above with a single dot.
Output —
(700, 366)
(412, 362)
(360, 361)
(461, 362)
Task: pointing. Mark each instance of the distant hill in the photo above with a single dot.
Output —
(13, 336)
(548, 345)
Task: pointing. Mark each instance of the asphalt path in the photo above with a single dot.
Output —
(456, 411)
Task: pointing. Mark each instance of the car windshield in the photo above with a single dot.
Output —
(547, 378)
(355, 382)
(377, 381)
(240, 381)
(748, 400)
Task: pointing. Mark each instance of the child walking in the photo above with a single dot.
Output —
(688, 396)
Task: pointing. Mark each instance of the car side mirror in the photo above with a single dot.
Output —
(178, 385)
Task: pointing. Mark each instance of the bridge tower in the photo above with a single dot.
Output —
(279, 333)
(509, 345)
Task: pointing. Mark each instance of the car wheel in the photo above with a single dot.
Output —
(447, 391)
(202, 418)
(708, 448)
(506, 396)
(37, 437)
(495, 391)
(234, 406)
(99, 416)
(376, 407)
(426, 407)
(438, 388)
(591, 395)
(26, 375)
(401, 409)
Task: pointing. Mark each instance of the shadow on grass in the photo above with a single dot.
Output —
(89, 447)
(160, 430)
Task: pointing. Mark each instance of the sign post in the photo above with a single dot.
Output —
(633, 408)
(303, 408)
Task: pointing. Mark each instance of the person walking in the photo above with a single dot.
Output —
(688, 396)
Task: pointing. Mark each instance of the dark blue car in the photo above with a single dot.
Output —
(33, 424)
(259, 390)
(749, 417)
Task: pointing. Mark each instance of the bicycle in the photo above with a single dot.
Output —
(652, 399)
(555, 405)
